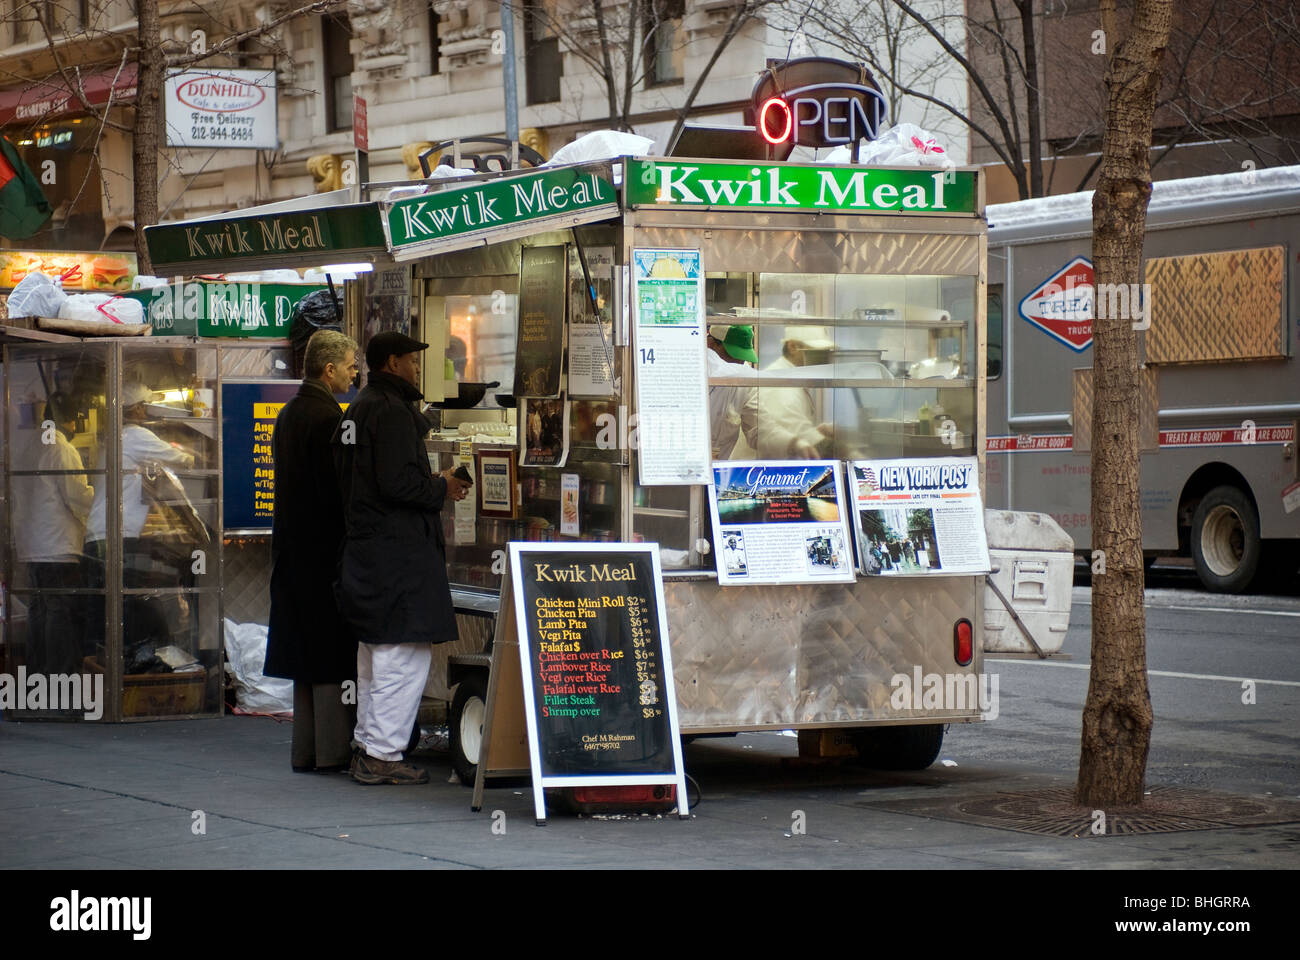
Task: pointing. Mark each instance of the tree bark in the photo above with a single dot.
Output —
(1117, 716)
(1033, 97)
(145, 140)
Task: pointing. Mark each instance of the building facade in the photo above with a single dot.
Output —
(429, 71)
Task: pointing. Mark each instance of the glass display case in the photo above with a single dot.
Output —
(113, 506)
(471, 300)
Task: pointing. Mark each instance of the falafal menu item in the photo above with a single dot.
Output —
(780, 522)
(597, 668)
(919, 517)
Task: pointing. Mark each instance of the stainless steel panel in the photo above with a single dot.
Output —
(725, 247)
(783, 656)
(475, 632)
(1215, 307)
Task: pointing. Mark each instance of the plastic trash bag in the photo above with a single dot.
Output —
(319, 310)
(245, 657)
(36, 295)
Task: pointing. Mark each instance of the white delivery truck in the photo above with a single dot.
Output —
(1218, 317)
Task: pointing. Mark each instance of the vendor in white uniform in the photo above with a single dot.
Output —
(733, 410)
(139, 446)
(788, 427)
(51, 510)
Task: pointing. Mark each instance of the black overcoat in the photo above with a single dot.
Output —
(393, 576)
(308, 640)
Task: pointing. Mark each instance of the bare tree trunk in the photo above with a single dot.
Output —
(1117, 715)
(145, 141)
(598, 11)
(1033, 98)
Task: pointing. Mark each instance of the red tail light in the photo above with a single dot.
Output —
(963, 642)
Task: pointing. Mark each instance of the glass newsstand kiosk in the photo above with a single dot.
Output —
(113, 496)
(861, 291)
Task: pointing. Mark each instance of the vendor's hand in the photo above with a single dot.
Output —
(803, 450)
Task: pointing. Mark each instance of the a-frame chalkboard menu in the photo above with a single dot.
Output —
(597, 669)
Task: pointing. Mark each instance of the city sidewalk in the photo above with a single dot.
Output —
(219, 793)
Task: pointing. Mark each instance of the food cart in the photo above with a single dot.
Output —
(117, 615)
(863, 291)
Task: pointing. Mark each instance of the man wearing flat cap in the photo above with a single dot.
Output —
(392, 588)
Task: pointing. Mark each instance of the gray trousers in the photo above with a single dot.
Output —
(322, 725)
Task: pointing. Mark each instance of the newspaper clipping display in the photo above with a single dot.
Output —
(919, 517)
(780, 522)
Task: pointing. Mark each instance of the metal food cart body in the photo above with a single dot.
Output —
(797, 656)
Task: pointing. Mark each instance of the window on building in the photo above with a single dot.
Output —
(336, 36)
(542, 63)
(31, 18)
(664, 41)
(435, 44)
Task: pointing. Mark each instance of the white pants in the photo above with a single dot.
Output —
(390, 680)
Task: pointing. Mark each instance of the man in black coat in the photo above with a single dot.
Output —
(308, 641)
(392, 590)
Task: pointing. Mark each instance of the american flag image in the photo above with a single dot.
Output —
(869, 480)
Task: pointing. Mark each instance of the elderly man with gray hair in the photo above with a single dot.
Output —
(309, 643)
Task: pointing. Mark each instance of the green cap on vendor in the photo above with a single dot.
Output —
(737, 340)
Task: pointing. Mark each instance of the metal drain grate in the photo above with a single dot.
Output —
(1053, 812)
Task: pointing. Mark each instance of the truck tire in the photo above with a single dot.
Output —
(899, 748)
(1225, 540)
(468, 713)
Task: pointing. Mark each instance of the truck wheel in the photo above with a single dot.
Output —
(468, 713)
(1225, 540)
(899, 748)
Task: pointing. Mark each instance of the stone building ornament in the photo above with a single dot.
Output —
(326, 170)
(411, 157)
(466, 33)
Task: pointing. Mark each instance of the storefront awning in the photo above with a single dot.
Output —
(53, 98)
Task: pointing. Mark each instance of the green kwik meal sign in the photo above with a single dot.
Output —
(803, 189)
(307, 236)
(569, 194)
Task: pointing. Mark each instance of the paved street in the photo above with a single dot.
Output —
(87, 797)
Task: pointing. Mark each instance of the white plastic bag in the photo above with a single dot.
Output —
(902, 145)
(601, 145)
(101, 308)
(36, 295)
(245, 657)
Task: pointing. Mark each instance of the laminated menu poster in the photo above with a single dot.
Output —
(248, 412)
(921, 517)
(671, 372)
(539, 341)
(780, 522)
(597, 668)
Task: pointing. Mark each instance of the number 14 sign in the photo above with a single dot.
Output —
(672, 386)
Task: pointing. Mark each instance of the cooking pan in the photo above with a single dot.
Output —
(470, 395)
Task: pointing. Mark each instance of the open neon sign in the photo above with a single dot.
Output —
(816, 102)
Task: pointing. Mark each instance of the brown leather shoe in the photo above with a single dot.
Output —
(370, 771)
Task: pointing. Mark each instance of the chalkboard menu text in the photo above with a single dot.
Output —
(597, 668)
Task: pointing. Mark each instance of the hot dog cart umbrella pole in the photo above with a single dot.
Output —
(861, 292)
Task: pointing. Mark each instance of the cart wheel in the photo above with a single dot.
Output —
(468, 713)
(1225, 540)
(899, 748)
